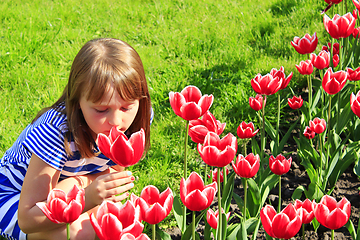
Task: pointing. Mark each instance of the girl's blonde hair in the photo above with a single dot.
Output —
(99, 64)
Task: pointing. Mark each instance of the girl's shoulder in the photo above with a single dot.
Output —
(53, 116)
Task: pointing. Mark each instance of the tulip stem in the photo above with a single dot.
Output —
(332, 234)
(263, 131)
(68, 231)
(193, 225)
(205, 175)
(245, 199)
(224, 177)
(310, 94)
(329, 133)
(278, 123)
(219, 227)
(303, 231)
(185, 170)
(153, 227)
(279, 206)
(321, 162)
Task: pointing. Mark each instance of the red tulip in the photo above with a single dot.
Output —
(321, 61)
(333, 1)
(336, 60)
(355, 103)
(61, 207)
(189, 104)
(247, 167)
(333, 82)
(306, 44)
(279, 165)
(200, 127)
(355, 33)
(281, 75)
(295, 102)
(339, 26)
(154, 206)
(212, 217)
(246, 130)
(121, 150)
(214, 175)
(218, 152)
(194, 195)
(307, 208)
(357, 4)
(335, 48)
(355, 13)
(353, 75)
(113, 221)
(257, 102)
(266, 85)
(308, 133)
(305, 67)
(318, 125)
(332, 214)
(128, 236)
(285, 224)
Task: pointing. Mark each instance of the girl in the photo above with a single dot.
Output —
(107, 87)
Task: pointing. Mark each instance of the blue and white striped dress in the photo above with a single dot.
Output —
(44, 138)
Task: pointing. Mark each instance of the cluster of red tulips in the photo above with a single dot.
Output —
(260, 171)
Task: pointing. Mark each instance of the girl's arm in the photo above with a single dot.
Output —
(40, 178)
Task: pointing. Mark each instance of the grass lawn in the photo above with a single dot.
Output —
(218, 46)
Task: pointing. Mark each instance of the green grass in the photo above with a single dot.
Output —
(218, 46)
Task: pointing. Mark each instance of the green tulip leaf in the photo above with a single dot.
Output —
(161, 234)
(254, 191)
(298, 192)
(350, 226)
(228, 192)
(178, 212)
(242, 234)
(188, 232)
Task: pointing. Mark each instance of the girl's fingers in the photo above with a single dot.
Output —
(120, 192)
(116, 175)
(118, 182)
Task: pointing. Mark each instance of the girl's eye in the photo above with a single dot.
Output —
(125, 109)
(101, 110)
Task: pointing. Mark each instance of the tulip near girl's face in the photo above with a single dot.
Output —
(121, 150)
(246, 130)
(194, 194)
(256, 102)
(306, 44)
(113, 221)
(247, 167)
(218, 152)
(200, 127)
(332, 214)
(333, 82)
(295, 102)
(279, 165)
(340, 26)
(154, 206)
(285, 224)
(189, 104)
(63, 208)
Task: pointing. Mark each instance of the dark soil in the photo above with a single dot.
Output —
(347, 186)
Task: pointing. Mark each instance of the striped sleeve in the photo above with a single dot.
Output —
(47, 142)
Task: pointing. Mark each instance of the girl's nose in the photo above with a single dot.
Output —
(116, 118)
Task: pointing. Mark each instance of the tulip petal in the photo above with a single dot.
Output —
(191, 94)
(104, 145)
(190, 111)
(123, 152)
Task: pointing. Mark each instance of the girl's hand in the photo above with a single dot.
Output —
(111, 186)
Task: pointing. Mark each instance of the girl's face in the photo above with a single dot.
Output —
(110, 111)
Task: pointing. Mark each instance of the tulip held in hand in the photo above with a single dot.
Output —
(63, 208)
(189, 104)
(121, 150)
